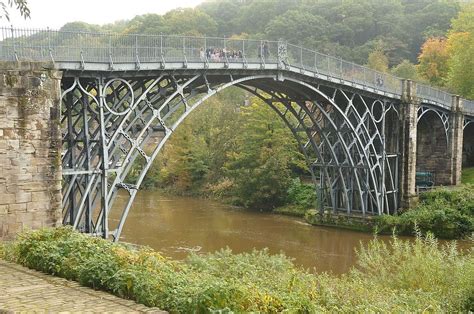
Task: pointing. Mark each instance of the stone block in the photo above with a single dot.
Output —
(14, 228)
(40, 196)
(24, 177)
(37, 206)
(18, 207)
(33, 186)
(24, 217)
(23, 197)
(6, 199)
(14, 145)
(3, 210)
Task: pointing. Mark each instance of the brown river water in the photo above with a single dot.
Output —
(177, 225)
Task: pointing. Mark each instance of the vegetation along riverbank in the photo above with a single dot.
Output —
(403, 276)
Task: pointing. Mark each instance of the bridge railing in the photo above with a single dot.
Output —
(337, 68)
(430, 94)
(76, 46)
(468, 106)
(88, 47)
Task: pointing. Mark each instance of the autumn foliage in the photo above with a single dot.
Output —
(433, 60)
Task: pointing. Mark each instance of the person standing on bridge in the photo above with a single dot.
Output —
(202, 54)
(266, 53)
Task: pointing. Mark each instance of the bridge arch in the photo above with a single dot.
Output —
(468, 143)
(108, 121)
(432, 154)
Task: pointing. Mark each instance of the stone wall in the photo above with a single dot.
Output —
(30, 139)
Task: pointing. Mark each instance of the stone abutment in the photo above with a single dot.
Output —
(30, 147)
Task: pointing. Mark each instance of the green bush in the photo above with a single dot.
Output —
(301, 194)
(467, 175)
(447, 213)
(300, 198)
(402, 276)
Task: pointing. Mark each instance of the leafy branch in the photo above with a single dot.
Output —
(20, 5)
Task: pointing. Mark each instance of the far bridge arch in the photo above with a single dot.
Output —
(108, 121)
(433, 139)
(468, 143)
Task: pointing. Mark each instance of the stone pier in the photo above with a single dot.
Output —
(30, 152)
(408, 144)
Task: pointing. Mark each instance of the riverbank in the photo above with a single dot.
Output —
(402, 281)
(446, 213)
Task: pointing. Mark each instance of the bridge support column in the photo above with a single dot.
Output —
(30, 147)
(456, 140)
(409, 114)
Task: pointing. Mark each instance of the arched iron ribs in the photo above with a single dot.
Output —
(115, 127)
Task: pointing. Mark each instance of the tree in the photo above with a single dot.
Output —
(20, 5)
(192, 22)
(433, 61)
(461, 64)
(145, 24)
(260, 165)
(256, 15)
(196, 153)
(406, 70)
(289, 26)
(80, 27)
(425, 19)
(378, 60)
(460, 48)
(225, 13)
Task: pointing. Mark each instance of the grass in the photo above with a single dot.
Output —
(291, 210)
(402, 276)
(467, 176)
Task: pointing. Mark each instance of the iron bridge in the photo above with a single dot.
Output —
(122, 94)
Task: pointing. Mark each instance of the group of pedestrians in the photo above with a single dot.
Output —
(220, 54)
(223, 54)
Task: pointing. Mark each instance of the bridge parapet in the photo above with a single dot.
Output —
(428, 94)
(468, 106)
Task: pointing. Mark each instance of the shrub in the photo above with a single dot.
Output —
(446, 213)
(402, 276)
(301, 194)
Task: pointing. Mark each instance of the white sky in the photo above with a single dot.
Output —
(56, 13)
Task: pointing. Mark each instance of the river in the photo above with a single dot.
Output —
(177, 225)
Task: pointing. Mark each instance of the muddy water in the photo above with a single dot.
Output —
(176, 225)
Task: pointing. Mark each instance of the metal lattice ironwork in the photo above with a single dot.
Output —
(467, 121)
(110, 122)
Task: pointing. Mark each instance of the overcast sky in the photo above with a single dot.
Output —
(55, 13)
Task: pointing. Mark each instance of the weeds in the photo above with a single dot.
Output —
(401, 276)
